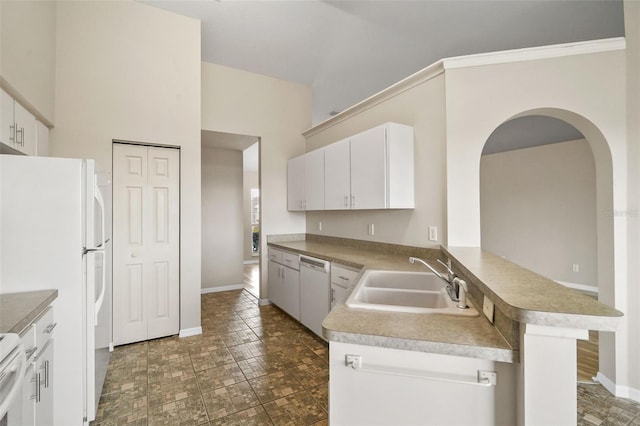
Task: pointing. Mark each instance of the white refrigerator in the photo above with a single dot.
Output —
(54, 234)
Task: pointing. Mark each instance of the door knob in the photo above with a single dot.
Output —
(133, 254)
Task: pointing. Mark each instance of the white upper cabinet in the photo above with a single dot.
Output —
(17, 125)
(314, 185)
(25, 130)
(305, 182)
(371, 170)
(337, 176)
(7, 134)
(295, 184)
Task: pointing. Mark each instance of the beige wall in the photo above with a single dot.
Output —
(277, 111)
(538, 209)
(27, 54)
(129, 71)
(423, 108)
(222, 218)
(589, 92)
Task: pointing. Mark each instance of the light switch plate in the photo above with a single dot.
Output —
(487, 308)
(433, 233)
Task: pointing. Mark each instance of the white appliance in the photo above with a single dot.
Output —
(12, 366)
(314, 292)
(52, 237)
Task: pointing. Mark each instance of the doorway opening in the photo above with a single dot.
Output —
(542, 200)
(230, 212)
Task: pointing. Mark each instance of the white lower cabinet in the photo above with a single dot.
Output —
(29, 389)
(342, 279)
(284, 282)
(37, 388)
(400, 387)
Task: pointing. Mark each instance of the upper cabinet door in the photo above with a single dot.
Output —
(337, 176)
(295, 184)
(314, 180)
(7, 134)
(25, 130)
(369, 169)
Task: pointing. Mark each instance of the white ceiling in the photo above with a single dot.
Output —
(349, 50)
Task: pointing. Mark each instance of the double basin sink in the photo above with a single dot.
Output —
(404, 291)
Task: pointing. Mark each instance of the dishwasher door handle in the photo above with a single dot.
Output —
(315, 264)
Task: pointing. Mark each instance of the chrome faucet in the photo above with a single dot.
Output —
(456, 287)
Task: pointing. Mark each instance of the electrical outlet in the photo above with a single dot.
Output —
(488, 308)
(433, 233)
(576, 267)
(372, 230)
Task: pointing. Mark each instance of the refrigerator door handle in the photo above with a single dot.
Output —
(100, 201)
(102, 290)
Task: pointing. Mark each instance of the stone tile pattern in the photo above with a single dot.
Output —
(597, 407)
(253, 365)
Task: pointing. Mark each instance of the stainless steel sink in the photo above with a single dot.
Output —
(404, 291)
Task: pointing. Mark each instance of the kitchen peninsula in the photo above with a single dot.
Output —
(531, 344)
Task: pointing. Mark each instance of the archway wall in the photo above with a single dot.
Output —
(589, 92)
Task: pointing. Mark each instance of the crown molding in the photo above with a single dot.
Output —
(536, 53)
(439, 67)
(410, 82)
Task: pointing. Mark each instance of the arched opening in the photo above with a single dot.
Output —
(546, 203)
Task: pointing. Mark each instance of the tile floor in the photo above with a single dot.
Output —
(253, 365)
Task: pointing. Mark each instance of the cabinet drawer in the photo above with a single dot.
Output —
(343, 276)
(28, 338)
(44, 329)
(291, 260)
(275, 255)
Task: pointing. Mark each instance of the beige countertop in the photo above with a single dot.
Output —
(528, 297)
(522, 295)
(436, 333)
(18, 310)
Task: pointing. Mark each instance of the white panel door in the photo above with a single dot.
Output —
(145, 243)
(163, 241)
(369, 169)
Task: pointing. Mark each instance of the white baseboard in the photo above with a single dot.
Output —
(618, 391)
(581, 287)
(190, 332)
(222, 288)
(263, 302)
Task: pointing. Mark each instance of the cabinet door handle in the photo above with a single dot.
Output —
(30, 352)
(12, 132)
(36, 380)
(21, 131)
(45, 367)
(343, 278)
(333, 295)
(346, 201)
(50, 328)
(353, 201)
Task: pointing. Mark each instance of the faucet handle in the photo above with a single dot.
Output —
(447, 267)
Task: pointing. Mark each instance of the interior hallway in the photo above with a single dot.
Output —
(253, 365)
(252, 278)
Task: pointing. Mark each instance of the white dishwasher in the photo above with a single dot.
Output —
(314, 292)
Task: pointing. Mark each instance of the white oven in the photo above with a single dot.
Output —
(12, 367)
